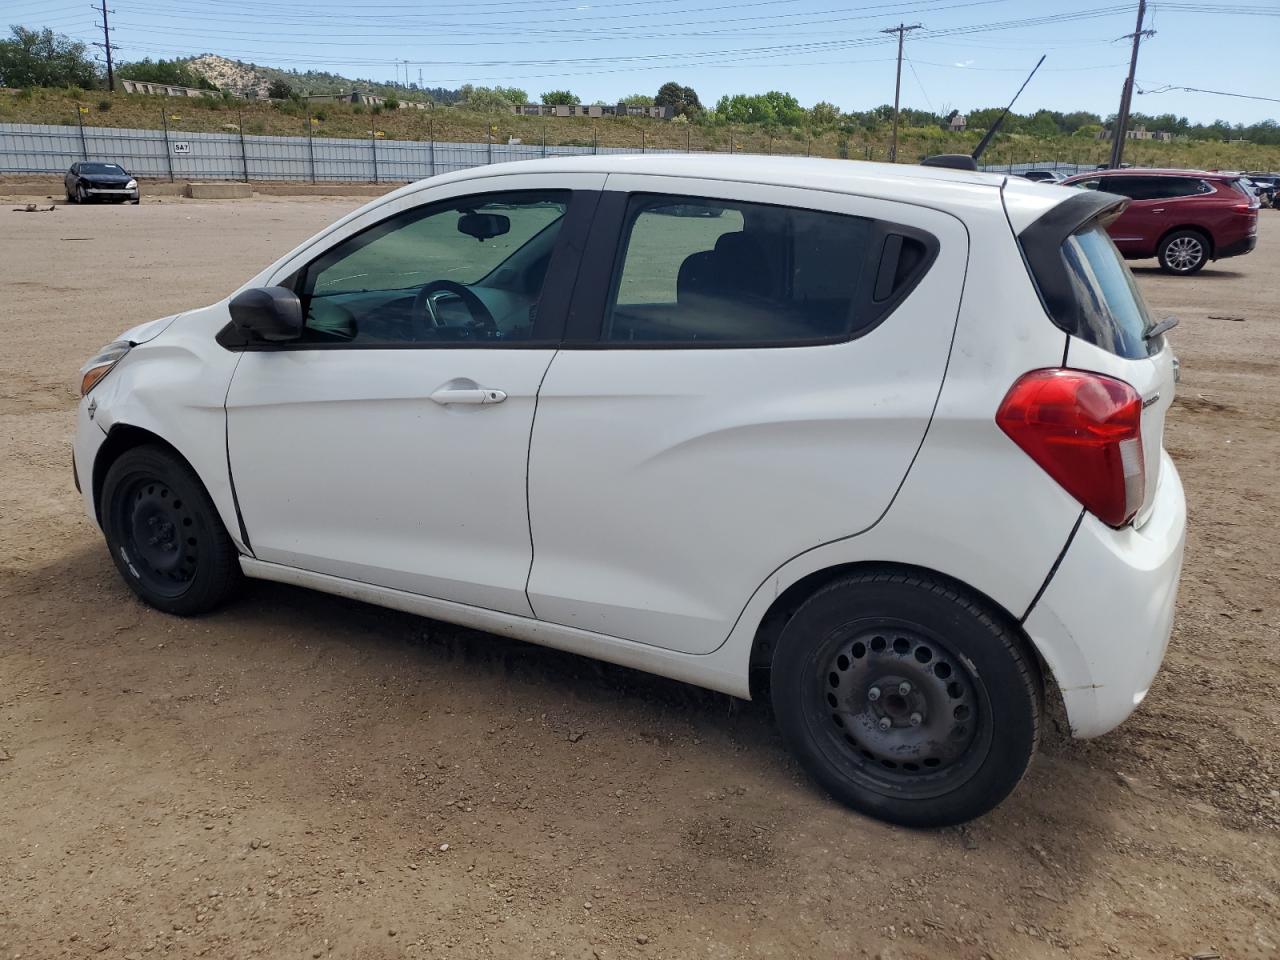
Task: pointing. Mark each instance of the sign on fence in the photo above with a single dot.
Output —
(182, 146)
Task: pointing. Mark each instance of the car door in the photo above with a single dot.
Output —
(747, 373)
(389, 445)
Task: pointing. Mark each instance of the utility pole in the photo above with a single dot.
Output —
(1126, 95)
(107, 46)
(901, 30)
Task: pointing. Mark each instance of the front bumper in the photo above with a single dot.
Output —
(1103, 623)
(112, 193)
(84, 453)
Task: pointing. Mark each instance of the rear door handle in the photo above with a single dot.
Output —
(477, 396)
(1158, 210)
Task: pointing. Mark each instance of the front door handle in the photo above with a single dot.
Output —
(474, 395)
(1158, 210)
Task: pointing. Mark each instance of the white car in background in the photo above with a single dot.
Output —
(884, 441)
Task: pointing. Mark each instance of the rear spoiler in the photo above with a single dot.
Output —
(1041, 244)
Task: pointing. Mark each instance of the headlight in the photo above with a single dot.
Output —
(131, 185)
(100, 364)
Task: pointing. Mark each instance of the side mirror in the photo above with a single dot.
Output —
(267, 313)
(484, 226)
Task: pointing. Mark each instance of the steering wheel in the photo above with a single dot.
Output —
(481, 322)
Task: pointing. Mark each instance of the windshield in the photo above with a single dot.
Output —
(102, 168)
(1111, 306)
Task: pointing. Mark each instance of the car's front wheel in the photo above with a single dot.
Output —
(81, 196)
(164, 533)
(1183, 252)
(906, 698)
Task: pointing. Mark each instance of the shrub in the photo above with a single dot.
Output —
(104, 105)
(392, 103)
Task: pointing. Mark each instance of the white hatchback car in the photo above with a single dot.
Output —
(882, 440)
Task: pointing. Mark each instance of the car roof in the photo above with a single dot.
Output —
(1154, 172)
(940, 187)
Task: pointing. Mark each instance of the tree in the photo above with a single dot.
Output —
(279, 90)
(39, 58)
(683, 101)
(561, 98)
(773, 108)
(490, 99)
(164, 71)
(638, 100)
(513, 95)
(824, 114)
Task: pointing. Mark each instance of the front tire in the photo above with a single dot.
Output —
(1183, 252)
(164, 533)
(81, 196)
(906, 699)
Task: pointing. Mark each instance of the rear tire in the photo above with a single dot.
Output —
(165, 535)
(906, 699)
(1183, 252)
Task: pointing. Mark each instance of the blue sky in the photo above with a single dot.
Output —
(971, 53)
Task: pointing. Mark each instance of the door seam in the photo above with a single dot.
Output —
(528, 467)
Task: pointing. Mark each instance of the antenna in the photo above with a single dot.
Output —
(995, 127)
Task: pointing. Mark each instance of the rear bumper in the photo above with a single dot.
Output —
(1103, 623)
(1237, 247)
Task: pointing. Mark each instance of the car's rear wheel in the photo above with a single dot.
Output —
(165, 535)
(1183, 252)
(906, 699)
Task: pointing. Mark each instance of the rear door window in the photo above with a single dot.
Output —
(693, 271)
(1111, 312)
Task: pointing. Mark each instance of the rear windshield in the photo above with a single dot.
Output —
(1111, 311)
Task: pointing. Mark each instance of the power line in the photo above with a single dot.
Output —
(1217, 93)
(923, 92)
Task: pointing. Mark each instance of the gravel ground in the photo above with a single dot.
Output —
(302, 776)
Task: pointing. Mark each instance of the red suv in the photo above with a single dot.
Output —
(1183, 218)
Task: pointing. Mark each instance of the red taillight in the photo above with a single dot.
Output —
(1085, 431)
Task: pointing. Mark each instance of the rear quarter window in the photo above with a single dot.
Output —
(1083, 282)
(1112, 313)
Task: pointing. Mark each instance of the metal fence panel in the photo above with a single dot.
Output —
(231, 155)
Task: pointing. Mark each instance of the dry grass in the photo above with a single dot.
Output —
(453, 125)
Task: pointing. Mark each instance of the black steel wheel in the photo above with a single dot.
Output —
(906, 698)
(164, 533)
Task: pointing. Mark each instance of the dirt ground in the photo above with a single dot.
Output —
(302, 776)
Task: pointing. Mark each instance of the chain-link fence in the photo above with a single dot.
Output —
(235, 155)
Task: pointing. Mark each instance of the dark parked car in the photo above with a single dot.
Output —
(1183, 218)
(1043, 176)
(88, 180)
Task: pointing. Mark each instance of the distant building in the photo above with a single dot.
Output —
(165, 89)
(592, 110)
(1138, 133)
(366, 99)
(958, 123)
